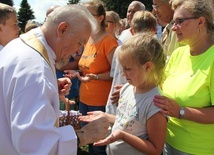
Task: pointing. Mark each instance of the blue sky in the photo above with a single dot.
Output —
(40, 6)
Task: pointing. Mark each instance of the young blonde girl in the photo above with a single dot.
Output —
(142, 21)
(138, 127)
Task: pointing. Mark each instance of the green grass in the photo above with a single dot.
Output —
(83, 150)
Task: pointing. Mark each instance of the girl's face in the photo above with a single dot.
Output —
(135, 74)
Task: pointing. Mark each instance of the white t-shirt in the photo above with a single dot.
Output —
(126, 34)
(116, 72)
(132, 114)
(1, 47)
(29, 103)
(118, 79)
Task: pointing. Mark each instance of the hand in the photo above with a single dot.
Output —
(71, 73)
(169, 107)
(94, 131)
(92, 116)
(114, 136)
(116, 94)
(66, 100)
(64, 86)
(87, 77)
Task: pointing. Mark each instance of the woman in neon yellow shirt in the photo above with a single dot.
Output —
(189, 85)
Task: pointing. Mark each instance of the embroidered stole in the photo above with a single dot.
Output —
(32, 41)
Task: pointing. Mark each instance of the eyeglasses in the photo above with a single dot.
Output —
(155, 7)
(179, 21)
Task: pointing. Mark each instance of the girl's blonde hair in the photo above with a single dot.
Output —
(145, 47)
(143, 21)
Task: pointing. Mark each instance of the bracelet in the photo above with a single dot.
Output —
(96, 77)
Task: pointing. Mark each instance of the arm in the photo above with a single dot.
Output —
(96, 114)
(64, 86)
(200, 115)
(36, 112)
(115, 96)
(93, 131)
(172, 108)
(156, 138)
(110, 55)
(106, 76)
(101, 76)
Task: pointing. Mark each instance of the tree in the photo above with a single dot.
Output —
(8, 2)
(25, 13)
(121, 6)
(73, 1)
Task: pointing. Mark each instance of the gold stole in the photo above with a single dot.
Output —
(32, 41)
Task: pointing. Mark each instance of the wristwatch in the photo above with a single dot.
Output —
(182, 112)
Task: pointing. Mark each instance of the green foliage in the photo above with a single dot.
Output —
(121, 6)
(25, 13)
(8, 2)
(73, 1)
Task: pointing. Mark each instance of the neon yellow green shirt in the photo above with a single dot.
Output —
(190, 81)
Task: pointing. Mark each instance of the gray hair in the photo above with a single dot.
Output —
(142, 6)
(199, 8)
(73, 14)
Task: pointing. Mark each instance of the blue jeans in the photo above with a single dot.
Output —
(83, 108)
(169, 150)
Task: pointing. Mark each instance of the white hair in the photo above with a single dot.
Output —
(75, 15)
(142, 6)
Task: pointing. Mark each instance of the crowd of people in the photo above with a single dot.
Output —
(137, 93)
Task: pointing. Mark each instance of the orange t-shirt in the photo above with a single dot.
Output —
(94, 60)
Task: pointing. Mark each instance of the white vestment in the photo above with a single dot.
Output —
(29, 103)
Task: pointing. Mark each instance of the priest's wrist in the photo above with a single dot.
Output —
(80, 138)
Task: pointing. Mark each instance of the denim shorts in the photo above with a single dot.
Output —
(169, 150)
(83, 108)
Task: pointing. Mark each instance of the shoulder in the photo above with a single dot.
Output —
(109, 37)
(109, 42)
(24, 57)
(125, 87)
(180, 52)
(126, 34)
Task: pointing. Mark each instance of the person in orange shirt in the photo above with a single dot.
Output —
(95, 64)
